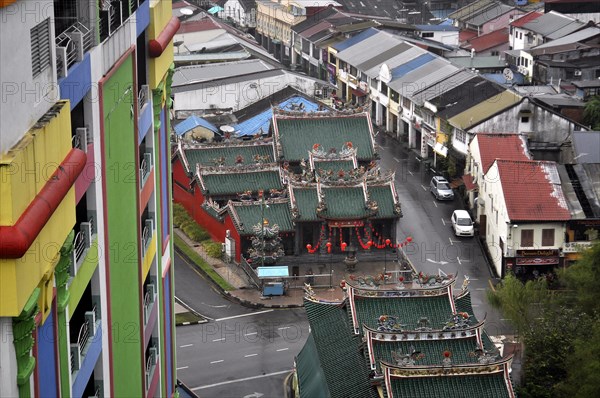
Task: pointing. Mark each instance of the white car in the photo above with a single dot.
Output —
(462, 223)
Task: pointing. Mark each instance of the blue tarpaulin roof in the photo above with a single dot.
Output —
(412, 65)
(253, 125)
(355, 39)
(191, 123)
(215, 9)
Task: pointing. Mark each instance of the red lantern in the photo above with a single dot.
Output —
(328, 247)
(409, 239)
(401, 279)
(387, 242)
(343, 245)
(309, 246)
(369, 243)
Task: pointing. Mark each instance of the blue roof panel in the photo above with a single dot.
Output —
(412, 65)
(191, 123)
(355, 39)
(262, 121)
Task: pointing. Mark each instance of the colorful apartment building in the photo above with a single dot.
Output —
(86, 283)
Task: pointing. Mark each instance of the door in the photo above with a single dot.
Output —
(482, 224)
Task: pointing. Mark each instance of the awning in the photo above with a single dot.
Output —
(469, 184)
(273, 272)
(215, 10)
(358, 93)
(440, 149)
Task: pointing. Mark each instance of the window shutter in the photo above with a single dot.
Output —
(40, 47)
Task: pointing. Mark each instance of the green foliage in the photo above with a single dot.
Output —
(591, 113)
(583, 279)
(200, 263)
(213, 249)
(188, 225)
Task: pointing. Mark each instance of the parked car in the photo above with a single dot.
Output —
(440, 188)
(462, 223)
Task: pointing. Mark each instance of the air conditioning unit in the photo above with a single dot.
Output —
(577, 73)
(318, 93)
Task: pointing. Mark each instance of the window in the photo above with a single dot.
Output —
(405, 103)
(394, 96)
(384, 89)
(427, 34)
(527, 237)
(461, 136)
(524, 119)
(547, 237)
(40, 47)
(495, 52)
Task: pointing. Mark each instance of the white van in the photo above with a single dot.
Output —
(462, 223)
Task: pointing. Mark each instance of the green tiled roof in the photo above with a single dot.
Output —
(298, 135)
(385, 200)
(311, 377)
(206, 155)
(468, 386)
(338, 349)
(408, 310)
(344, 202)
(335, 165)
(433, 350)
(230, 184)
(306, 201)
(463, 304)
(276, 213)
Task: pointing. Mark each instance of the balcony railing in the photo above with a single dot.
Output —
(151, 364)
(145, 168)
(149, 299)
(134, 4)
(82, 139)
(71, 45)
(81, 243)
(147, 233)
(87, 330)
(143, 96)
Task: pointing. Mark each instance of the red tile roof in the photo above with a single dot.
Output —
(466, 35)
(181, 4)
(526, 18)
(500, 146)
(197, 26)
(532, 191)
(489, 40)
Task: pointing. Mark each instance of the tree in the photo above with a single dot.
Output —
(591, 113)
(582, 280)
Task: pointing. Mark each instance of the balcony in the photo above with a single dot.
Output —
(146, 167)
(149, 300)
(87, 332)
(151, 363)
(81, 245)
(144, 112)
(71, 46)
(147, 233)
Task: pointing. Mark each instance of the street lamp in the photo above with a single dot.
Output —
(330, 258)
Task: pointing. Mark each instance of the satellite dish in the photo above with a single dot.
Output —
(508, 74)
(186, 11)
(227, 129)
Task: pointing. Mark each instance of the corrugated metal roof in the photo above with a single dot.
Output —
(422, 77)
(550, 23)
(572, 38)
(191, 123)
(201, 73)
(468, 94)
(586, 145)
(397, 60)
(490, 13)
(565, 30)
(368, 48)
(442, 86)
(383, 56)
(437, 28)
(469, 9)
(483, 109)
(411, 65)
(355, 39)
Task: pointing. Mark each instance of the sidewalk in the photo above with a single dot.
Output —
(246, 294)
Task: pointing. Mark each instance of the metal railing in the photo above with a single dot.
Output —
(250, 272)
(81, 244)
(151, 365)
(147, 234)
(145, 168)
(134, 4)
(149, 299)
(71, 45)
(81, 139)
(143, 96)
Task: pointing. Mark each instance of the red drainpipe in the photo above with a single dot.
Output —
(158, 45)
(16, 239)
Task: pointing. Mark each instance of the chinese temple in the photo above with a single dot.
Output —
(315, 177)
(417, 337)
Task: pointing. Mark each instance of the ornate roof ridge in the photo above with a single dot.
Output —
(237, 169)
(437, 334)
(282, 114)
(450, 369)
(310, 295)
(420, 283)
(237, 203)
(268, 141)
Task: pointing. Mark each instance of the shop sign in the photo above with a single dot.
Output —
(538, 261)
(346, 223)
(537, 253)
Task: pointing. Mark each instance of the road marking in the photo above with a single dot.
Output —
(250, 334)
(241, 380)
(215, 306)
(183, 367)
(424, 188)
(458, 258)
(250, 355)
(397, 160)
(472, 279)
(221, 339)
(437, 262)
(451, 243)
(443, 221)
(282, 349)
(284, 327)
(186, 345)
(219, 361)
(435, 204)
(242, 315)
(410, 172)
(480, 288)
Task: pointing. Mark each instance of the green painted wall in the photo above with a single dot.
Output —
(120, 151)
(84, 274)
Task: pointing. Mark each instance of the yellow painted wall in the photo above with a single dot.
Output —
(160, 15)
(150, 253)
(23, 172)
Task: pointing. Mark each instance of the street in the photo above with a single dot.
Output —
(427, 221)
(240, 352)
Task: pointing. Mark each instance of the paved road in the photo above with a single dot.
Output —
(240, 352)
(427, 221)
